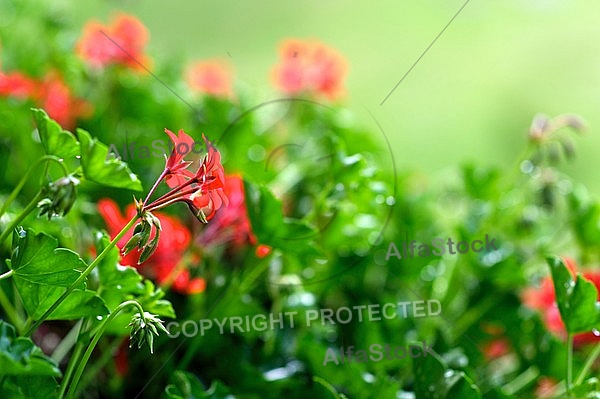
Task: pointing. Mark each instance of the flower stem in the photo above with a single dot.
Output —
(19, 187)
(82, 277)
(588, 364)
(569, 362)
(10, 311)
(28, 209)
(156, 183)
(6, 275)
(92, 345)
(72, 361)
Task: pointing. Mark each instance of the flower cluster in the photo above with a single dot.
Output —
(50, 93)
(210, 77)
(543, 299)
(232, 226)
(164, 264)
(310, 67)
(120, 43)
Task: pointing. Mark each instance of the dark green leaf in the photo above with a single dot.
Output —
(187, 386)
(434, 380)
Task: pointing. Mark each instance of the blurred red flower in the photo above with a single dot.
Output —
(210, 77)
(58, 101)
(543, 299)
(231, 225)
(174, 240)
(310, 67)
(120, 43)
(18, 85)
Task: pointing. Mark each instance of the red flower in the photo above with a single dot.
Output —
(177, 173)
(97, 44)
(543, 299)
(173, 243)
(210, 77)
(17, 85)
(201, 191)
(232, 223)
(58, 101)
(309, 67)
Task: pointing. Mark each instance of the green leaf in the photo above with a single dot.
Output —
(187, 386)
(99, 168)
(119, 283)
(589, 389)
(30, 387)
(434, 380)
(577, 298)
(20, 357)
(55, 140)
(272, 228)
(42, 274)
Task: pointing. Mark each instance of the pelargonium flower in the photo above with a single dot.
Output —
(17, 85)
(169, 253)
(211, 77)
(202, 191)
(309, 67)
(58, 101)
(543, 299)
(232, 225)
(130, 36)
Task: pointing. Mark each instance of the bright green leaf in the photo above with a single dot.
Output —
(42, 274)
(20, 357)
(54, 138)
(100, 168)
(577, 298)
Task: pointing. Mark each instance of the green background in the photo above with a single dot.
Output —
(471, 97)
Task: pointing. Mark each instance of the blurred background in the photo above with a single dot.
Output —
(471, 97)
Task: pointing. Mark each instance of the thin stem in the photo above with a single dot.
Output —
(79, 346)
(28, 209)
(66, 343)
(24, 179)
(88, 352)
(168, 201)
(588, 364)
(70, 368)
(82, 277)
(10, 311)
(569, 362)
(173, 193)
(6, 275)
(156, 183)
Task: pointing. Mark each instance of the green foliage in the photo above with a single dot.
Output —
(577, 298)
(42, 274)
(187, 386)
(433, 380)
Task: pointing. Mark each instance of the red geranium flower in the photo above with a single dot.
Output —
(58, 101)
(130, 36)
(210, 77)
(17, 85)
(173, 243)
(201, 191)
(310, 67)
(543, 299)
(232, 223)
